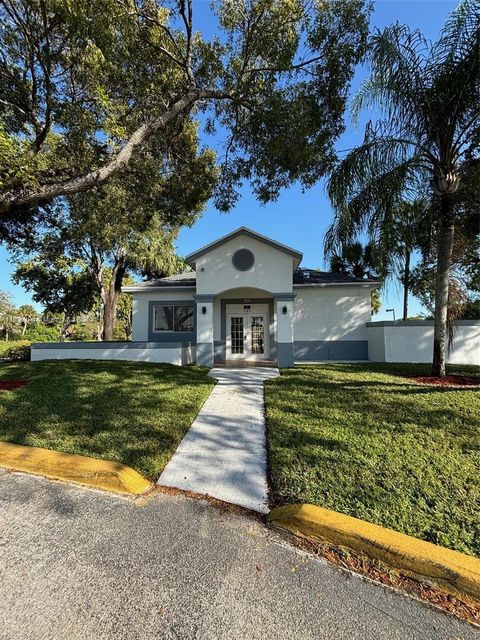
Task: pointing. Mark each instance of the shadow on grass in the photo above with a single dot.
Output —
(356, 440)
(135, 413)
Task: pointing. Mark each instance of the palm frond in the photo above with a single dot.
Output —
(459, 35)
(377, 156)
(397, 85)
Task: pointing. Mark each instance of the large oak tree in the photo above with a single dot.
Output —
(128, 223)
(85, 85)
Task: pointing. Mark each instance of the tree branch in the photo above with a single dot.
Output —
(135, 142)
(187, 17)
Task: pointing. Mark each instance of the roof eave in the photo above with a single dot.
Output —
(354, 283)
(135, 289)
(193, 257)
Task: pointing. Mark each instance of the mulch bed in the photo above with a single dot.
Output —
(10, 385)
(447, 381)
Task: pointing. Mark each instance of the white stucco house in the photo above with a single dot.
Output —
(248, 299)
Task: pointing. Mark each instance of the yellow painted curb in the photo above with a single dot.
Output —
(452, 570)
(102, 474)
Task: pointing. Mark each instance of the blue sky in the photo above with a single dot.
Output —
(297, 219)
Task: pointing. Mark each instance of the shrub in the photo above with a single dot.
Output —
(17, 352)
(5, 345)
(42, 333)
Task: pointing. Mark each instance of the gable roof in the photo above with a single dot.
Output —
(245, 231)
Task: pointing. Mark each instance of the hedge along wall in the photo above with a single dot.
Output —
(412, 341)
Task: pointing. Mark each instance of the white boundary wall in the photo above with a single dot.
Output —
(172, 353)
(412, 341)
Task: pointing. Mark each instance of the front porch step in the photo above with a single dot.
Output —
(237, 364)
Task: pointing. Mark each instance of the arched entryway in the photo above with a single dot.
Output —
(247, 327)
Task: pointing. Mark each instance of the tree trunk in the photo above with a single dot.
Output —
(64, 328)
(98, 323)
(406, 283)
(110, 314)
(111, 298)
(444, 261)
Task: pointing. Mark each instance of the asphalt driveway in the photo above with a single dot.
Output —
(76, 563)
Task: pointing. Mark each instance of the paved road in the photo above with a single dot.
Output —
(78, 564)
(224, 452)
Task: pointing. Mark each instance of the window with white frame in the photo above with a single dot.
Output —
(173, 317)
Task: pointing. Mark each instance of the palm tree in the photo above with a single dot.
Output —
(429, 96)
(354, 259)
(395, 232)
(408, 229)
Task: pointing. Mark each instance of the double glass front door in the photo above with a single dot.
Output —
(247, 334)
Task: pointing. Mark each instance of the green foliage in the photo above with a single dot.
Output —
(58, 283)
(463, 304)
(90, 240)
(16, 351)
(123, 327)
(130, 412)
(428, 95)
(375, 301)
(5, 345)
(364, 441)
(42, 333)
(9, 318)
(89, 85)
(355, 260)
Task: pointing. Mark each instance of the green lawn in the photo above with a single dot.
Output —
(129, 412)
(363, 441)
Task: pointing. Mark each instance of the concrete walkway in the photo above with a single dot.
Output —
(223, 454)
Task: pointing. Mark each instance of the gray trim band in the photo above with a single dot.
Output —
(219, 352)
(418, 323)
(204, 297)
(321, 350)
(285, 352)
(314, 285)
(111, 345)
(204, 354)
(158, 287)
(284, 296)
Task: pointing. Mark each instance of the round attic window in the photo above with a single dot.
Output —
(243, 259)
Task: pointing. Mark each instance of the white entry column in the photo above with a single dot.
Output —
(284, 312)
(204, 322)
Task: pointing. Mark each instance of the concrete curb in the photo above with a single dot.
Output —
(449, 569)
(69, 467)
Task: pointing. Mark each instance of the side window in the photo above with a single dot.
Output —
(169, 317)
(184, 318)
(163, 318)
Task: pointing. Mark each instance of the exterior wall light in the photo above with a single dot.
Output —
(285, 310)
(204, 310)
